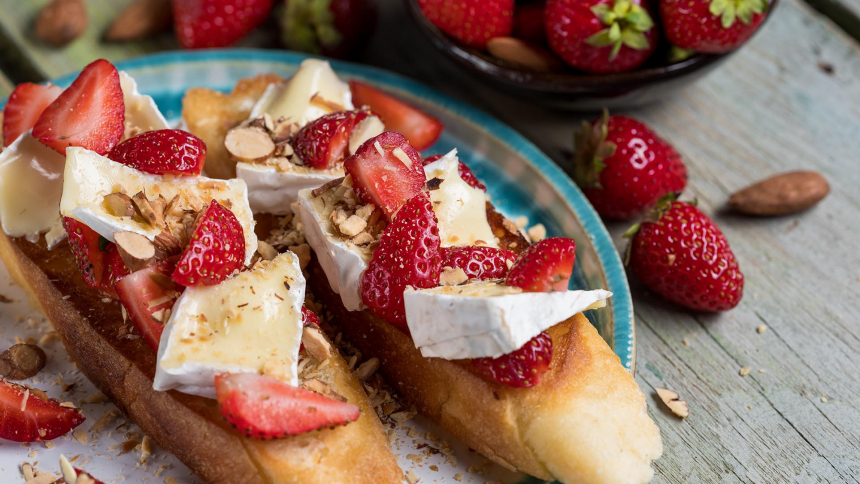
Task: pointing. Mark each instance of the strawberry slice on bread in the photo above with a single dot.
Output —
(27, 415)
(216, 248)
(162, 152)
(264, 408)
(148, 296)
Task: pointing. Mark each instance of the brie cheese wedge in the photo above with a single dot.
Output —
(249, 323)
(31, 180)
(140, 109)
(271, 190)
(486, 319)
(343, 262)
(312, 92)
(89, 177)
(460, 209)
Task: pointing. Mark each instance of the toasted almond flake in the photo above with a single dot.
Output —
(81, 435)
(147, 210)
(249, 144)
(411, 477)
(266, 251)
(315, 343)
(24, 400)
(321, 102)
(761, 328)
(119, 205)
(145, 447)
(537, 232)
(128, 445)
(352, 226)
(107, 417)
(452, 276)
(368, 368)
(673, 400)
(48, 337)
(378, 148)
(744, 371)
(402, 156)
(823, 399)
(49, 444)
(27, 471)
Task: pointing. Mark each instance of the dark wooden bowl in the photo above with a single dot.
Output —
(571, 89)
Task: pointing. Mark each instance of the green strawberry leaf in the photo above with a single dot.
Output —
(600, 39)
(604, 13)
(634, 40)
(677, 54)
(728, 17)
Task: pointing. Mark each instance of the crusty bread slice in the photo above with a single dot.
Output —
(191, 427)
(586, 422)
(209, 115)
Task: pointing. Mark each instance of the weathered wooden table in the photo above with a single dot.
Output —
(789, 100)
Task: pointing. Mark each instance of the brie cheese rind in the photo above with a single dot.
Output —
(31, 180)
(460, 209)
(31, 174)
(249, 323)
(89, 178)
(486, 319)
(140, 109)
(271, 190)
(343, 262)
(294, 101)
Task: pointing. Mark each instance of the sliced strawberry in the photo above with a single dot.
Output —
(92, 480)
(148, 296)
(216, 23)
(84, 242)
(381, 177)
(408, 254)
(72, 474)
(27, 415)
(162, 152)
(24, 107)
(90, 113)
(216, 248)
(522, 368)
(324, 142)
(480, 263)
(114, 270)
(264, 408)
(309, 318)
(465, 172)
(545, 266)
(420, 128)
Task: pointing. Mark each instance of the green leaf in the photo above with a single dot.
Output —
(615, 33)
(728, 17)
(744, 13)
(621, 7)
(634, 40)
(639, 19)
(616, 48)
(600, 39)
(677, 54)
(604, 13)
(717, 7)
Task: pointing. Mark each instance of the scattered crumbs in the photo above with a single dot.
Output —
(761, 328)
(434, 468)
(823, 399)
(411, 477)
(686, 342)
(826, 68)
(522, 221)
(745, 371)
(749, 407)
(33, 453)
(97, 397)
(170, 480)
(762, 370)
(49, 444)
(81, 435)
(4, 299)
(458, 477)
(47, 338)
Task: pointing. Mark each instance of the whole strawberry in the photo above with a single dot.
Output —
(624, 168)
(334, 28)
(711, 26)
(682, 256)
(472, 22)
(600, 36)
(201, 24)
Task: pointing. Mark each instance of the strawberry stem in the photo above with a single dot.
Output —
(591, 149)
(626, 26)
(729, 10)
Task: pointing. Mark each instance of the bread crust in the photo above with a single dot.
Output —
(191, 427)
(585, 422)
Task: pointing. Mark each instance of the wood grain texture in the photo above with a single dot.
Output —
(769, 109)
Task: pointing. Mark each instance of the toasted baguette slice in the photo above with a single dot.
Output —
(188, 426)
(586, 422)
(209, 115)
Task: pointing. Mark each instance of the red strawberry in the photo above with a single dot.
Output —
(202, 24)
(472, 22)
(344, 29)
(324, 142)
(522, 368)
(148, 296)
(711, 26)
(90, 113)
(381, 177)
(528, 22)
(162, 152)
(421, 129)
(408, 254)
(216, 248)
(624, 168)
(264, 408)
(682, 256)
(479, 262)
(24, 107)
(465, 172)
(114, 270)
(545, 266)
(600, 36)
(309, 318)
(85, 244)
(27, 415)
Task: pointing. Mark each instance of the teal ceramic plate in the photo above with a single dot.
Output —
(521, 180)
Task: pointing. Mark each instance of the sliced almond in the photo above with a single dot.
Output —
(249, 144)
(166, 245)
(452, 276)
(136, 250)
(146, 210)
(352, 226)
(673, 400)
(368, 368)
(522, 54)
(266, 251)
(318, 386)
(402, 156)
(320, 190)
(316, 344)
(321, 102)
(119, 205)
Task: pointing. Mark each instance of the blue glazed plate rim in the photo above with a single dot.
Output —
(623, 333)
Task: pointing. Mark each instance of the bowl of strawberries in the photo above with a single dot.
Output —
(590, 54)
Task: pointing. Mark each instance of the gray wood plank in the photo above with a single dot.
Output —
(769, 109)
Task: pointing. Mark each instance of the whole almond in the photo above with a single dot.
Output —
(61, 22)
(522, 54)
(141, 19)
(782, 194)
(21, 361)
